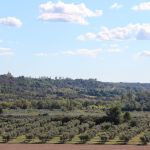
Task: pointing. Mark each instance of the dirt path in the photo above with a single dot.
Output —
(70, 147)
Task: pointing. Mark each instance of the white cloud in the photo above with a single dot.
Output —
(42, 54)
(5, 51)
(131, 31)
(116, 6)
(143, 54)
(114, 50)
(87, 36)
(83, 52)
(145, 6)
(11, 21)
(60, 11)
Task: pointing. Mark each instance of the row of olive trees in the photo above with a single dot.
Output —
(136, 127)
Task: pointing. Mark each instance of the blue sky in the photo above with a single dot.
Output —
(108, 40)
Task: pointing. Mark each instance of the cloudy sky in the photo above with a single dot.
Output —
(108, 40)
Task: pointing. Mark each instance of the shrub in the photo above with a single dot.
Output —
(44, 138)
(104, 138)
(127, 117)
(64, 138)
(84, 138)
(29, 137)
(125, 137)
(145, 139)
(1, 110)
(115, 115)
(6, 137)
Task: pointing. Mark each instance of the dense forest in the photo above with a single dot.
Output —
(38, 91)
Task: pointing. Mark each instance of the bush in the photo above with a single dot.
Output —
(106, 125)
(84, 138)
(115, 115)
(104, 138)
(125, 137)
(145, 139)
(127, 117)
(44, 138)
(1, 110)
(6, 137)
(29, 137)
(64, 138)
(133, 123)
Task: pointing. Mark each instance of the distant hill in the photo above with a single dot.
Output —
(41, 88)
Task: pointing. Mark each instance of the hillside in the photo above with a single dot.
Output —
(16, 88)
(67, 111)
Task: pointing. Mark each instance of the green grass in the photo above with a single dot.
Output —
(136, 140)
(1, 140)
(35, 141)
(55, 140)
(115, 141)
(95, 140)
(19, 139)
(75, 140)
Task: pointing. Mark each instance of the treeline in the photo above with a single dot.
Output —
(133, 96)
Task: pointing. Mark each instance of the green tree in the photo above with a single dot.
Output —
(1, 110)
(64, 137)
(84, 138)
(29, 137)
(6, 137)
(127, 117)
(145, 139)
(104, 138)
(115, 114)
(44, 138)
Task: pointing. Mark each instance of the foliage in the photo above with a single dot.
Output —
(114, 114)
(146, 138)
(127, 117)
(23, 90)
(1, 110)
(67, 127)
